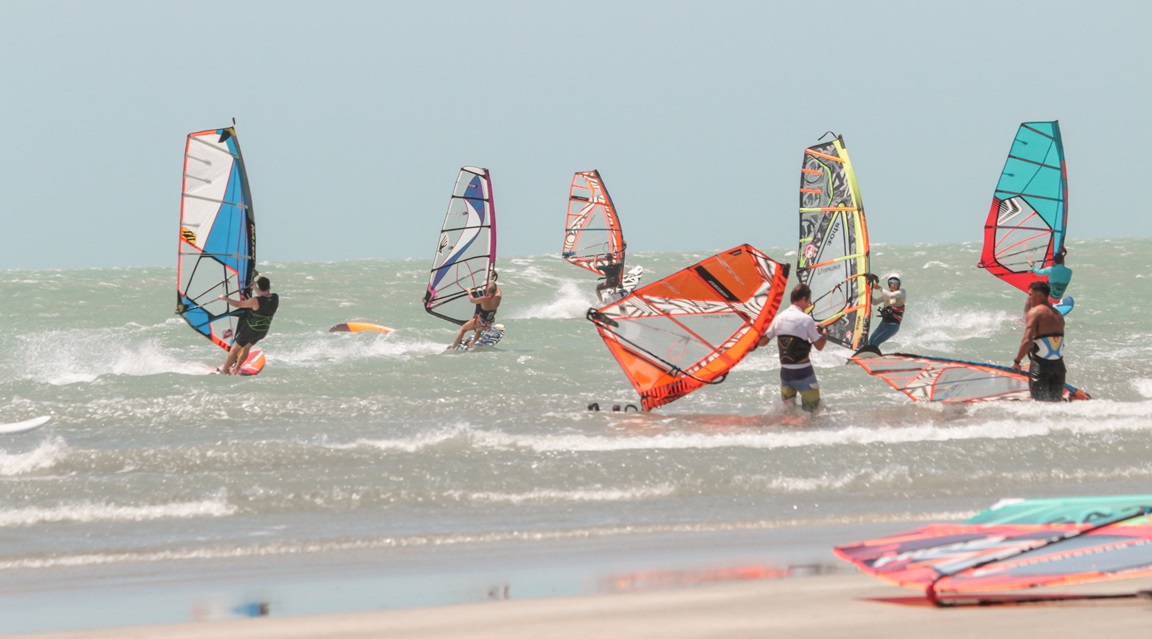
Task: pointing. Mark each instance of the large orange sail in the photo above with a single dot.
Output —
(689, 329)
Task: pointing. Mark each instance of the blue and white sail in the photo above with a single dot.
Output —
(466, 250)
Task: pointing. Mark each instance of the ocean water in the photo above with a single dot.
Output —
(364, 442)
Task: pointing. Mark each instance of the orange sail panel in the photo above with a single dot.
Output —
(689, 329)
(592, 235)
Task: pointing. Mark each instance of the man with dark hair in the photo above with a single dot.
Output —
(1043, 343)
(253, 325)
(796, 333)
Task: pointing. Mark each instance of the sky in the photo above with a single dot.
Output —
(355, 116)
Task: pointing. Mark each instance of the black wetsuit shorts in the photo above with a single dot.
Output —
(1046, 379)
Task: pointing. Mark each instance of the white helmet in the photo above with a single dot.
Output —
(893, 276)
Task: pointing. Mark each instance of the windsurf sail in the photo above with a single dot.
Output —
(1045, 545)
(833, 258)
(689, 329)
(592, 234)
(466, 252)
(593, 238)
(937, 379)
(217, 250)
(1029, 211)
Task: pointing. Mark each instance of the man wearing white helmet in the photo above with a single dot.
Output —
(891, 311)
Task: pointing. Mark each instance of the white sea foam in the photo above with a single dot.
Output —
(553, 496)
(326, 348)
(69, 357)
(45, 455)
(459, 434)
(570, 300)
(87, 511)
(1067, 418)
(934, 326)
(1143, 386)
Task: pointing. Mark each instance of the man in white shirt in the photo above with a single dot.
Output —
(796, 333)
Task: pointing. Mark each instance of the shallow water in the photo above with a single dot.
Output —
(369, 441)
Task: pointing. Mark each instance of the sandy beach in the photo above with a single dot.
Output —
(815, 606)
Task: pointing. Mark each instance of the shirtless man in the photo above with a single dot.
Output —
(1043, 343)
(486, 306)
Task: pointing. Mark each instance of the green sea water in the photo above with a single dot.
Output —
(370, 441)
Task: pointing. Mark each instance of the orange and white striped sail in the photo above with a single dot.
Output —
(689, 329)
(592, 234)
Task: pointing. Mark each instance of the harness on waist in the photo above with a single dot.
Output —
(484, 317)
(1048, 347)
(892, 314)
(793, 350)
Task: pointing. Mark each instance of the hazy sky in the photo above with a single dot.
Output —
(355, 116)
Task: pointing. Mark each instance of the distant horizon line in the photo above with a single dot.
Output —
(522, 256)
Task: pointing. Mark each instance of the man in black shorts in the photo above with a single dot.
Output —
(486, 305)
(1043, 343)
(254, 323)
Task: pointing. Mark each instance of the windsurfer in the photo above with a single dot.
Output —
(486, 305)
(613, 275)
(1043, 343)
(1059, 276)
(253, 325)
(796, 333)
(891, 309)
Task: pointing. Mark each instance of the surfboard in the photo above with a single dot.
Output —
(1065, 305)
(490, 336)
(251, 366)
(359, 327)
(24, 426)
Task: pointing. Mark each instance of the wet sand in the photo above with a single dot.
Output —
(839, 605)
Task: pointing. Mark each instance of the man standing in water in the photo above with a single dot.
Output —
(796, 333)
(1043, 343)
(254, 323)
(486, 305)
